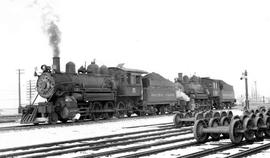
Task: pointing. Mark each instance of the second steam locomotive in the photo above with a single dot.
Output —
(95, 92)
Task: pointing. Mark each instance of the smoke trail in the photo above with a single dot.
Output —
(54, 37)
(50, 27)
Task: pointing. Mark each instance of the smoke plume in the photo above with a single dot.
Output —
(50, 21)
(54, 38)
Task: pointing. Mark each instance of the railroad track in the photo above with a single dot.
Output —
(136, 144)
(9, 118)
(83, 122)
(94, 144)
(247, 146)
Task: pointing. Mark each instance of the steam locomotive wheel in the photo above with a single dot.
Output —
(64, 114)
(105, 114)
(163, 110)
(109, 106)
(53, 118)
(120, 109)
(97, 111)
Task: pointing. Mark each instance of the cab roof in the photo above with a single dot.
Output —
(129, 70)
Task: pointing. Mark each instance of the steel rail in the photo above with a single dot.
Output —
(86, 139)
(103, 145)
(250, 151)
(157, 124)
(81, 122)
(208, 151)
(155, 151)
(89, 144)
(132, 148)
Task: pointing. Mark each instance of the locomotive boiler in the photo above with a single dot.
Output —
(69, 95)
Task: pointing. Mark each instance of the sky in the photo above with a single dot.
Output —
(218, 39)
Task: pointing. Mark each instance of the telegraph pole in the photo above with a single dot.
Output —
(30, 90)
(256, 94)
(20, 71)
(244, 76)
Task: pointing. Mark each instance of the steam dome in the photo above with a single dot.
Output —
(104, 70)
(92, 68)
(70, 68)
(186, 79)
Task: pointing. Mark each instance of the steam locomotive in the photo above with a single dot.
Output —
(207, 93)
(95, 92)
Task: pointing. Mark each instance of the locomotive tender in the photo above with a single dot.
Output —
(95, 92)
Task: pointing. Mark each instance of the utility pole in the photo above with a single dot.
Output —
(256, 94)
(244, 76)
(20, 71)
(30, 90)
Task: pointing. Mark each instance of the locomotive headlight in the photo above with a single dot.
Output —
(45, 85)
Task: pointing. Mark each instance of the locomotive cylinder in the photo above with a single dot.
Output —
(56, 64)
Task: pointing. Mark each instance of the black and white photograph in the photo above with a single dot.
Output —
(134, 78)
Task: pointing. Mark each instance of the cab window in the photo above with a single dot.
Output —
(129, 78)
(138, 79)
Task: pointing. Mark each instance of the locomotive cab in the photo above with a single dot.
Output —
(220, 93)
(129, 89)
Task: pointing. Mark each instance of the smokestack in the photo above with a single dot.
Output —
(56, 64)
